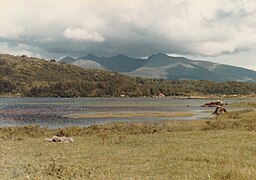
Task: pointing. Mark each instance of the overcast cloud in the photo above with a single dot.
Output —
(223, 31)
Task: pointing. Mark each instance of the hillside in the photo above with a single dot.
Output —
(88, 64)
(162, 66)
(68, 60)
(25, 76)
(37, 77)
(175, 68)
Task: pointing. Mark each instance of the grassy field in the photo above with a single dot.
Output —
(244, 105)
(220, 148)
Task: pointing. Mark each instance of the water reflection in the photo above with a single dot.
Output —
(50, 112)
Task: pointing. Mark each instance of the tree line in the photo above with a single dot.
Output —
(119, 85)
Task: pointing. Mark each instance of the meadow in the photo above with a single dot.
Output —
(219, 148)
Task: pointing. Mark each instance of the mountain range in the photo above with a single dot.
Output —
(162, 66)
(29, 76)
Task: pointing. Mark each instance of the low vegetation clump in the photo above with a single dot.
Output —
(244, 105)
(218, 148)
(243, 120)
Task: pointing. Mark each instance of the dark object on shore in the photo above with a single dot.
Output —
(219, 106)
(59, 139)
(213, 104)
(219, 109)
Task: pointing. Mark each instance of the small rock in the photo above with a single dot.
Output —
(59, 139)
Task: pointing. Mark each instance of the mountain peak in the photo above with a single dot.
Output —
(161, 54)
(158, 55)
(121, 56)
(89, 56)
(67, 60)
(68, 57)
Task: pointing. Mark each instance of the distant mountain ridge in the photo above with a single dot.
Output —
(68, 60)
(162, 66)
(29, 76)
(119, 63)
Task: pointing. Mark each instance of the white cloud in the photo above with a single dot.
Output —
(11, 31)
(175, 55)
(131, 27)
(212, 48)
(46, 40)
(79, 34)
(20, 49)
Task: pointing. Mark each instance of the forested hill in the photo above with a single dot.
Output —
(25, 76)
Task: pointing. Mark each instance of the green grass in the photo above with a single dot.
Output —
(220, 148)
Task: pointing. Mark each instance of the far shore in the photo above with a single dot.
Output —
(211, 96)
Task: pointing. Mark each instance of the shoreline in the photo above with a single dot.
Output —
(210, 96)
(247, 108)
(93, 115)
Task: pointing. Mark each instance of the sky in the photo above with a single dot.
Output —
(222, 31)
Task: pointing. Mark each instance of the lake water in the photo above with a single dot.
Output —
(50, 112)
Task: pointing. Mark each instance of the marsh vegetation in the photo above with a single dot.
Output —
(220, 148)
(129, 115)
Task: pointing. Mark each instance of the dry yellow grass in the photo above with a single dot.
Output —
(182, 155)
(244, 105)
(221, 148)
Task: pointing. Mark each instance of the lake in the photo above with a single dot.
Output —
(51, 112)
